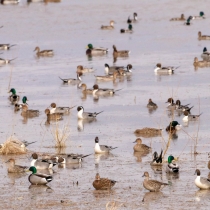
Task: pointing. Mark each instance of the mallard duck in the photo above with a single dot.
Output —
(172, 166)
(10, 1)
(54, 116)
(12, 168)
(29, 112)
(6, 61)
(151, 104)
(103, 91)
(6, 46)
(157, 160)
(100, 149)
(96, 50)
(205, 55)
(190, 117)
(110, 27)
(177, 19)
(148, 132)
(43, 52)
(121, 53)
(103, 183)
(38, 178)
(201, 16)
(152, 185)
(139, 147)
(14, 98)
(135, 18)
(81, 69)
(85, 90)
(188, 21)
(164, 70)
(201, 182)
(72, 80)
(17, 106)
(63, 110)
(71, 158)
(108, 77)
(198, 63)
(86, 115)
(203, 37)
(129, 30)
(173, 126)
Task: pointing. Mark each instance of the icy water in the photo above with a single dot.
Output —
(67, 27)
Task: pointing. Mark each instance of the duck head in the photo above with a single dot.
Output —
(13, 91)
(170, 159)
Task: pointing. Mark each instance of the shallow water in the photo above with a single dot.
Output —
(67, 28)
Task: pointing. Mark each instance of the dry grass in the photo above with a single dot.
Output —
(60, 135)
(113, 205)
(13, 146)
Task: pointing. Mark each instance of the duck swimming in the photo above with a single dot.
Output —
(43, 52)
(135, 18)
(121, 53)
(200, 17)
(139, 147)
(172, 166)
(73, 81)
(129, 30)
(110, 27)
(182, 18)
(96, 50)
(6, 46)
(203, 37)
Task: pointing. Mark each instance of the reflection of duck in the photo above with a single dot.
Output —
(39, 189)
(139, 155)
(157, 169)
(151, 196)
(102, 157)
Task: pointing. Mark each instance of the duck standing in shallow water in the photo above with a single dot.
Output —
(172, 166)
(43, 52)
(110, 27)
(12, 168)
(139, 147)
(201, 182)
(182, 18)
(103, 183)
(96, 50)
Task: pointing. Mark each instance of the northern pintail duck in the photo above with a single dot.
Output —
(17, 106)
(71, 158)
(180, 107)
(10, 1)
(81, 69)
(96, 50)
(100, 149)
(190, 117)
(43, 52)
(112, 69)
(148, 132)
(151, 104)
(198, 63)
(73, 81)
(110, 27)
(54, 116)
(85, 90)
(12, 168)
(152, 185)
(41, 164)
(121, 53)
(38, 178)
(6, 46)
(5, 61)
(201, 16)
(139, 147)
(205, 55)
(172, 166)
(103, 91)
(103, 183)
(29, 112)
(129, 30)
(63, 110)
(135, 18)
(157, 160)
(173, 126)
(187, 23)
(165, 70)
(86, 115)
(203, 37)
(108, 77)
(201, 182)
(178, 19)
(14, 98)
(171, 105)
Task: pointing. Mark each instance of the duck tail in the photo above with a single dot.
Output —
(86, 155)
(113, 148)
(99, 112)
(118, 90)
(62, 79)
(12, 59)
(12, 45)
(190, 109)
(177, 67)
(200, 114)
(72, 107)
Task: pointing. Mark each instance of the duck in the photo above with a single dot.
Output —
(190, 117)
(86, 115)
(103, 91)
(173, 126)
(178, 19)
(139, 147)
(148, 132)
(54, 116)
(110, 27)
(152, 185)
(101, 149)
(81, 69)
(14, 98)
(71, 158)
(203, 37)
(63, 110)
(205, 55)
(164, 70)
(201, 182)
(41, 164)
(17, 106)
(188, 21)
(43, 52)
(126, 69)
(180, 107)
(172, 166)
(10, 1)
(151, 104)
(6, 46)
(121, 53)
(198, 63)
(72, 80)
(5, 61)
(109, 77)
(157, 160)
(129, 30)
(201, 16)
(29, 112)
(103, 183)
(135, 18)
(171, 105)
(96, 50)
(38, 178)
(12, 168)
(85, 90)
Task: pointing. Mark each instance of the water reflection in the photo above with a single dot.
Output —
(39, 189)
(14, 176)
(102, 157)
(139, 155)
(157, 169)
(151, 196)
(82, 122)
